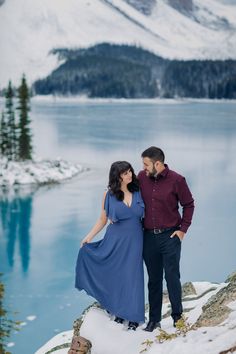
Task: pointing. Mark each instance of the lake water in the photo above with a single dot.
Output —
(41, 229)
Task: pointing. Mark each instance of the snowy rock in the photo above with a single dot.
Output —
(109, 337)
(31, 318)
(188, 289)
(229, 350)
(215, 311)
(145, 7)
(231, 278)
(37, 172)
(81, 343)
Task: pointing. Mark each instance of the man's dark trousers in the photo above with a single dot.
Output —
(160, 253)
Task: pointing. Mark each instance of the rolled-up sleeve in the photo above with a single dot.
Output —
(186, 201)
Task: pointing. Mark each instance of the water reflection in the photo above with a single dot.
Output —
(16, 213)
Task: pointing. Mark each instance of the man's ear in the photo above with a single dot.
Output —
(156, 164)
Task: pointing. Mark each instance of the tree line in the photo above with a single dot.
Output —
(15, 130)
(109, 70)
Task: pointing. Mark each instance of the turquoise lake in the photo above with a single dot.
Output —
(41, 228)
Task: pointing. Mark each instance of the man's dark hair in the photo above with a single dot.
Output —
(155, 154)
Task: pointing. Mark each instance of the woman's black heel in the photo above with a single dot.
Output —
(119, 320)
(132, 325)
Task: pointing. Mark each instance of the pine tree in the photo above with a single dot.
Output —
(10, 115)
(25, 136)
(3, 136)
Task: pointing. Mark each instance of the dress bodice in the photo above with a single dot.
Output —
(117, 210)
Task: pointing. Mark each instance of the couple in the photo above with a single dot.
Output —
(144, 223)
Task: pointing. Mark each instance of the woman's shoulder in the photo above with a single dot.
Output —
(108, 194)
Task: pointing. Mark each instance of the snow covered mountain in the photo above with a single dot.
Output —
(175, 29)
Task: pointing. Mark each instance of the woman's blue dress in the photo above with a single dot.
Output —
(111, 270)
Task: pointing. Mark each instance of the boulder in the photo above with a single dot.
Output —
(216, 310)
(80, 345)
(230, 350)
(188, 289)
(231, 278)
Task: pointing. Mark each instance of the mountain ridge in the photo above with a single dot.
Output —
(30, 33)
(119, 71)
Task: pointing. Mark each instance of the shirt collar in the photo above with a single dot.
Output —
(165, 171)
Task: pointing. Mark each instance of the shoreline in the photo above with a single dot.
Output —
(36, 172)
(85, 99)
(99, 100)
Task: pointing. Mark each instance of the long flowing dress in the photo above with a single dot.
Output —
(111, 269)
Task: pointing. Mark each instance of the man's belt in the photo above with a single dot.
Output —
(160, 231)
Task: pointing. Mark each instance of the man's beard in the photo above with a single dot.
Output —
(153, 173)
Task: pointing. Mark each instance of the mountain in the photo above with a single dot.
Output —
(123, 71)
(105, 70)
(173, 29)
(145, 7)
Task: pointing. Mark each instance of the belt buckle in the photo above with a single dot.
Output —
(157, 231)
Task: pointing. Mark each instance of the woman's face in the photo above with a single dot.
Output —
(126, 177)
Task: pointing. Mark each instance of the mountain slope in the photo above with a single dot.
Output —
(30, 31)
(123, 71)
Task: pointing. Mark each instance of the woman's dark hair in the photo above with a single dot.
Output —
(117, 168)
(155, 154)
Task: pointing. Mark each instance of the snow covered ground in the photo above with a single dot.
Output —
(86, 99)
(108, 337)
(36, 172)
(29, 31)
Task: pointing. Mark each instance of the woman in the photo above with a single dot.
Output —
(111, 270)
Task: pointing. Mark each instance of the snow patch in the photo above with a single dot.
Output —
(36, 172)
(109, 337)
(31, 318)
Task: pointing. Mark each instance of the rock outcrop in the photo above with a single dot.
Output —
(188, 289)
(216, 310)
(96, 324)
(80, 345)
(231, 278)
(230, 350)
(184, 6)
(145, 7)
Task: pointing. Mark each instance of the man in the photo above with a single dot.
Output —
(164, 229)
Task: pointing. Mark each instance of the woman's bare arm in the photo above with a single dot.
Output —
(101, 222)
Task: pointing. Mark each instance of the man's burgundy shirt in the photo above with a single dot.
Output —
(162, 196)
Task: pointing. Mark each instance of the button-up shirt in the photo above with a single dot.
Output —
(162, 195)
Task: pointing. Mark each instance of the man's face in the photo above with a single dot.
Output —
(149, 167)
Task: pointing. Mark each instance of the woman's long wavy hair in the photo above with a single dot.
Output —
(117, 168)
